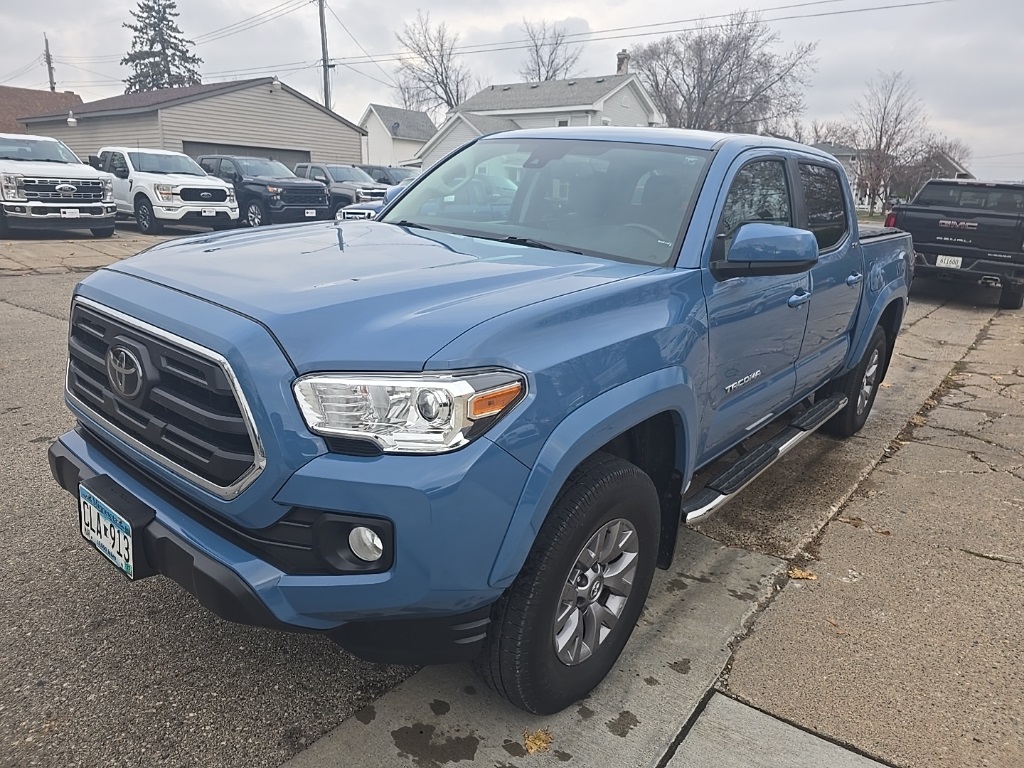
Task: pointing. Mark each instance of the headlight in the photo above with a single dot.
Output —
(231, 194)
(408, 413)
(164, 191)
(9, 186)
(108, 190)
(274, 190)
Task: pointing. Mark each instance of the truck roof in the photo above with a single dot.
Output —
(142, 149)
(26, 136)
(979, 183)
(675, 137)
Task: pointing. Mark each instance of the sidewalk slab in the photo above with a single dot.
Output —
(446, 715)
(729, 734)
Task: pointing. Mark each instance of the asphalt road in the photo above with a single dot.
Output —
(97, 671)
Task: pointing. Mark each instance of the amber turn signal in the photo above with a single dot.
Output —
(494, 401)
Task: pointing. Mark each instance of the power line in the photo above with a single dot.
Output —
(251, 23)
(356, 41)
(22, 70)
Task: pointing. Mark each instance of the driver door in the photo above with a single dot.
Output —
(755, 324)
(117, 164)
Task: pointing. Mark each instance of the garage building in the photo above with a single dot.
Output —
(261, 117)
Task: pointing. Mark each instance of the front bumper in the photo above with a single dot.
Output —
(422, 610)
(193, 214)
(286, 212)
(38, 216)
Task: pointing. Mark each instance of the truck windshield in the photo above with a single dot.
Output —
(36, 150)
(257, 166)
(619, 200)
(154, 162)
(347, 173)
(973, 196)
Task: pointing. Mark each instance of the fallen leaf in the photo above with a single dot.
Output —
(800, 573)
(882, 531)
(856, 522)
(839, 630)
(917, 419)
(538, 741)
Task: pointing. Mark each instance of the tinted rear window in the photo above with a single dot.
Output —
(974, 197)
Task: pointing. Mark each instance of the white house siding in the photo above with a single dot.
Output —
(454, 138)
(630, 113)
(91, 133)
(404, 150)
(379, 150)
(263, 118)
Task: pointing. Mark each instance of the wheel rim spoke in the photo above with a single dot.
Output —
(595, 591)
(867, 385)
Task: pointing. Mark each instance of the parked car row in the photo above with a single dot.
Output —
(46, 186)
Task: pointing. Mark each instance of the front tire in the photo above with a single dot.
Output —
(145, 218)
(1009, 299)
(860, 387)
(102, 232)
(561, 626)
(255, 214)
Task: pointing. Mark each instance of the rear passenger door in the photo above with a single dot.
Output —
(838, 278)
(755, 323)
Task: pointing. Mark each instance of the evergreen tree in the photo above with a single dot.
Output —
(160, 56)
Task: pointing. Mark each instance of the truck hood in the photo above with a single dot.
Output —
(52, 170)
(285, 181)
(187, 180)
(365, 296)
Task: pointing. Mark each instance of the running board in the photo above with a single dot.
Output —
(723, 488)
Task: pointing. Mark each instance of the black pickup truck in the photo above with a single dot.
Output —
(970, 231)
(267, 192)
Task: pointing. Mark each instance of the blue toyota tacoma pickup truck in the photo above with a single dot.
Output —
(466, 430)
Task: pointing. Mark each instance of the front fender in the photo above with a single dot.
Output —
(583, 432)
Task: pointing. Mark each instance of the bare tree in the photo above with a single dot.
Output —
(550, 56)
(725, 77)
(833, 132)
(430, 75)
(892, 132)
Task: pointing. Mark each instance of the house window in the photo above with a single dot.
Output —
(563, 123)
(625, 101)
(606, 121)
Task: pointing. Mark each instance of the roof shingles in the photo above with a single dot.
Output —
(15, 103)
(575, 91)
(405, 123)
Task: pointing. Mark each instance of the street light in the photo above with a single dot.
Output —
(71, 119)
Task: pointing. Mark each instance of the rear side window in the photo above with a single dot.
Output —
(1001, 199)
(208, 165)
(826, 206)
(760, 192)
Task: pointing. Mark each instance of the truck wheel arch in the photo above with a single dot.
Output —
(646, 407)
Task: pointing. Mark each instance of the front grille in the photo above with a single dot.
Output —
(372, 194)
(304, 197)
(357, 214)
(194, 195)
(187, 414)
(45, 190)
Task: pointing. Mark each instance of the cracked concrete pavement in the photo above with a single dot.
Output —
(908, 642)
(49, 253)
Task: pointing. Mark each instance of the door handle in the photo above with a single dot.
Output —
(853, 279)
(799, 298)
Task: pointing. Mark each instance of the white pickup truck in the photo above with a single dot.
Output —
(44, 185)
(158, 187)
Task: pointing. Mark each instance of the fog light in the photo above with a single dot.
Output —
(365, 544)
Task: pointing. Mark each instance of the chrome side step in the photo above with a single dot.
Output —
(746, 469)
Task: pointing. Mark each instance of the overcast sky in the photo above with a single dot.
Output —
(966, 57)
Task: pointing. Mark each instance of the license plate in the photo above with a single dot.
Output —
(949, 261)
(310, 212)
(70, 213)
(110, 533)
(209, 212)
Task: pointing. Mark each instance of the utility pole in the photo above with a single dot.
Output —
(323, 52)
(49, 62)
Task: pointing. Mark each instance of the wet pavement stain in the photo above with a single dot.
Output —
(682, 666)
(417, 742)
(702, 579)
(470, 690)
(514, 748)
(747, 597)
(366, 715)
(652, 681)
(585, 712)
(563, 757)
(676, 585)
(623, 724)
(294, 738)
(439, 707)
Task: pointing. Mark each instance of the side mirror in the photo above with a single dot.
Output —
(95, 162)
(767, 249)
(121, 173)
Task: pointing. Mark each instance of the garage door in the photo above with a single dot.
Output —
(290, 157)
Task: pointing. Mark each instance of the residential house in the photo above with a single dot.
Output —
(618, 99)
(16, 102)
(394, 135)
(260, 116)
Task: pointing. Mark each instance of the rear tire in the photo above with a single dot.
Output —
(1010, 299)
(148, 223)
(860, 387)
(102, 232)
(561, 626)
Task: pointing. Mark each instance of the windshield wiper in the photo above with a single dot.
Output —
(410, 225)
(529, 242)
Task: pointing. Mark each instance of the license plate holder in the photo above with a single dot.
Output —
(952, 262)
(70, 213)
(310, 212)
(112, 520)
(209, 212)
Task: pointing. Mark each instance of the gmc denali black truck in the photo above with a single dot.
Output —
(970, 231)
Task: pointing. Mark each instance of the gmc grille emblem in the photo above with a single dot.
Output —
(950, 224)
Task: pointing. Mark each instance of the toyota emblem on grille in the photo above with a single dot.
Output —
(206, 195)
(66, 189)
(124, 370)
